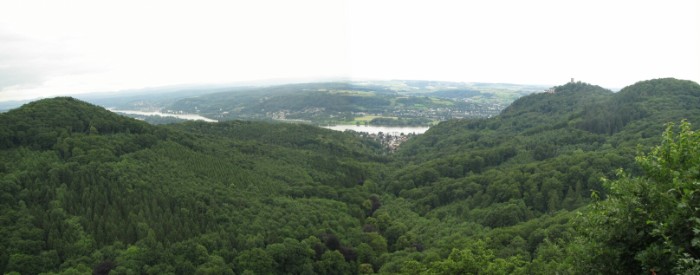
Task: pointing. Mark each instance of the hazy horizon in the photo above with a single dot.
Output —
(68, 48)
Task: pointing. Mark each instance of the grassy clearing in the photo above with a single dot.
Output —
(420, 106)
(351, 92)
(441, 101)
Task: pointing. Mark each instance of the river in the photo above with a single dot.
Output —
(371, 129)
(181, 116)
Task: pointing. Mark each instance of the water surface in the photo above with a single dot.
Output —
(371, 129)
(181, 116)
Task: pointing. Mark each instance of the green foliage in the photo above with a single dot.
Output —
(650, 223)
(215, 265)
(256, 260)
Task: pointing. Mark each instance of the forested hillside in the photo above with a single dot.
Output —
(86, 189)
(535, 190)
(523, 172)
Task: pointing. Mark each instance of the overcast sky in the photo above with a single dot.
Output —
(50, 48)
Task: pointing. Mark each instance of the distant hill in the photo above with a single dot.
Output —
(41, 123)
(585, 107)
(341, 102)
(563, 142)
(652, 102)
(7, 105)
(348, 103)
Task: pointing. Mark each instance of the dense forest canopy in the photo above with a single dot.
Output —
(576, 180)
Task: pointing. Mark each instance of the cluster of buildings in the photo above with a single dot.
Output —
(446, 113)
(390, 141)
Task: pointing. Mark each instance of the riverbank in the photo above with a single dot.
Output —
(156, 113)
(372, 129)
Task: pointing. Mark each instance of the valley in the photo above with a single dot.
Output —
(576, 181)
(385, 103)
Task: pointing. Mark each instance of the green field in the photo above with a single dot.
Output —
(362, 119)
(441, 101)
(351, 92)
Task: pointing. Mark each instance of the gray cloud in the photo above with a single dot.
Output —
(11, 77)
(27, 62)
(17, 61)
